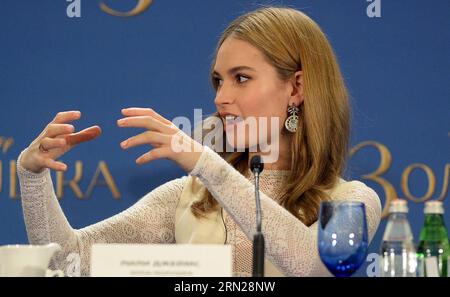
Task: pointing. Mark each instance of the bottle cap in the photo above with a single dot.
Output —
(398, 205)
(434, 207)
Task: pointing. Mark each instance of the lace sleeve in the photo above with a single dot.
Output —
(150, 220)
(290, 245)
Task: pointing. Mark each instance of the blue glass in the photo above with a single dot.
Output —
(343, 236)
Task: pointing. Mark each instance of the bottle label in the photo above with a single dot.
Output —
(421, 267)
(404, 265)
(431, 265)
(448, 266)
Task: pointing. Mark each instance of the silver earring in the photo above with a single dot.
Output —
(292, 120)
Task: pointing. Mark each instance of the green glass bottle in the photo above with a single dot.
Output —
(433, 241)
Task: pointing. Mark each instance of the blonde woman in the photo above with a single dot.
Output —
(269, 63)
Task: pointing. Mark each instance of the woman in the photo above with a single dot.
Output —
(269, 63)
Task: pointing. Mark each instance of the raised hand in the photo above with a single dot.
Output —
(55, 140)
(168, 140)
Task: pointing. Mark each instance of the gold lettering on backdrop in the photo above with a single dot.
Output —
(5, 144)
(12, 179)
(445, 183)
(109, 181)
(73, 184)
(376, 176)
(140, 7)
(385, 163)
(431, 182)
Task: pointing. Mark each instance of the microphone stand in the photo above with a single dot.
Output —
(258, 238)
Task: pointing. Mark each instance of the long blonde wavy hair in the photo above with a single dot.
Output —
(291, 41)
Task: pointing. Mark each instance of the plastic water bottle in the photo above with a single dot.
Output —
(398, 255)
(433, 250)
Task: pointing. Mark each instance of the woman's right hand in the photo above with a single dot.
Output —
(56, 139)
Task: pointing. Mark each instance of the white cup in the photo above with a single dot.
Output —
(28, 260)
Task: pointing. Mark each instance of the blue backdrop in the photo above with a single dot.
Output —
(396, 65)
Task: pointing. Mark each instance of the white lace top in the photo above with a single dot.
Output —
(290, 245)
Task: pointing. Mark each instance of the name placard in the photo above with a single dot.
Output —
(182, 260)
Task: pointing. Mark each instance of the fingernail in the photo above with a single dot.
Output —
(120, 122)
(123, 143)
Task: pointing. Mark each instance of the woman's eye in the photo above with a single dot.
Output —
(242, 79)
(239, 79)
(218, 81)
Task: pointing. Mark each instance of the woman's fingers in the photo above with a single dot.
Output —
(159, 132)
(154, 154)
(146, 122)
(147, 137)
(56, 139)
(84, 135)
(61, 144)
(137, 111)
(54, 130)
(66, 116)
(168, 140)
(50, 143)
(55, 165)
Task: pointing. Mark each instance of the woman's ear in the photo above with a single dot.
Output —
(296, 96)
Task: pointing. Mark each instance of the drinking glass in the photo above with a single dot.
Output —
(342, 236)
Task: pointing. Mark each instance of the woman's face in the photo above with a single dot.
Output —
(249, 87)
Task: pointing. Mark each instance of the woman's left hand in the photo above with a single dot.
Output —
(168, 140)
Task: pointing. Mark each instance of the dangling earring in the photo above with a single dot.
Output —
(292, 120)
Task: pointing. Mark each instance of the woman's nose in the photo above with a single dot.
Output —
(224, 97)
